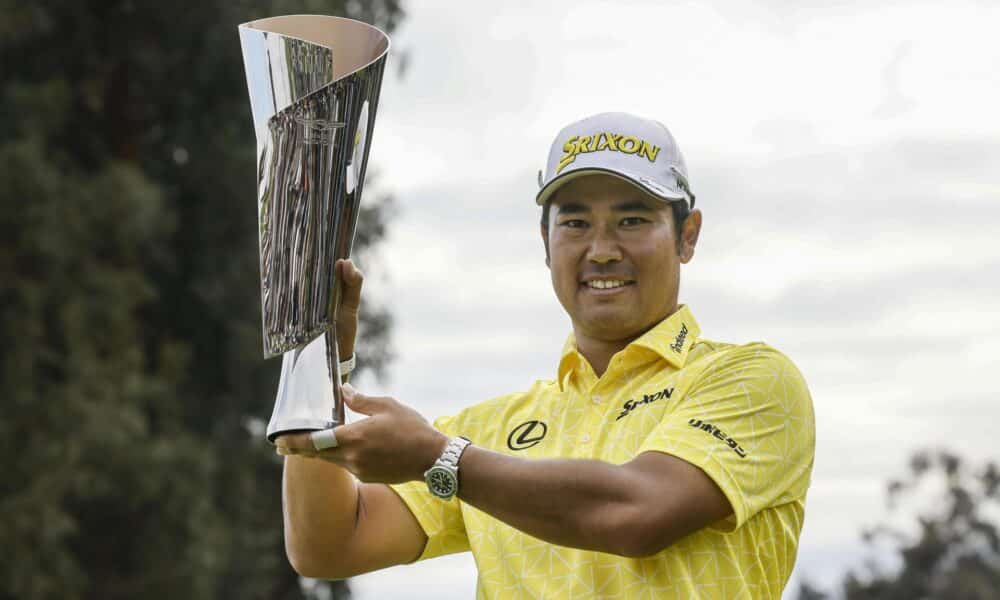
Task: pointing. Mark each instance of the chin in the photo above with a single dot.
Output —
(611, 328)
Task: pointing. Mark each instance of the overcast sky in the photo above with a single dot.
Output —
(846, 160)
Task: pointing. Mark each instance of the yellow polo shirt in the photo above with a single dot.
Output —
(741, 413)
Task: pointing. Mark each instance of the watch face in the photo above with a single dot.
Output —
(441, 482)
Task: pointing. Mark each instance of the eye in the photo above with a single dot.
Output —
(573, 223)
(633, 221)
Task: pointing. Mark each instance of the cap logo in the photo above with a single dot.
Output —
(612, 142)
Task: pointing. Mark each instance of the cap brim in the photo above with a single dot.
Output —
(657, 191)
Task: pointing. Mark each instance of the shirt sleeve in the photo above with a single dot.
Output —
(747, 422)
(442, 521)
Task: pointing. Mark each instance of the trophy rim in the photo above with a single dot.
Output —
(260, 25)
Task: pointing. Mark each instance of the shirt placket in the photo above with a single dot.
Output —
(590, 430)
(598, 398)
(578, 433)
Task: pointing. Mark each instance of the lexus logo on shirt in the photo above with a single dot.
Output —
(526, 435)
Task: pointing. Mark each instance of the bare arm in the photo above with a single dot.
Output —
(336, 527)
(635, 509)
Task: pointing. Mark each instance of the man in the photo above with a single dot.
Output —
(658, 464)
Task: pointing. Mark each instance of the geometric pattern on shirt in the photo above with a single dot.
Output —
(751, 392)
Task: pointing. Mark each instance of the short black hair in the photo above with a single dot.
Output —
(679, 208)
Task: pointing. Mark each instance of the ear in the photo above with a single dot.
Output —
(689, 236)
(545, 242)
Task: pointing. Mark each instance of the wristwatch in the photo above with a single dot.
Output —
(442, 477)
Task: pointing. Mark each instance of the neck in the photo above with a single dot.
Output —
(599, 352)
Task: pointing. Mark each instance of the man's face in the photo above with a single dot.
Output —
(613, 255)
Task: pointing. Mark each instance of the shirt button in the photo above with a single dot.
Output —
(597, 398)
(585, 438)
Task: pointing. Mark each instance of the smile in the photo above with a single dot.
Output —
(606, 284)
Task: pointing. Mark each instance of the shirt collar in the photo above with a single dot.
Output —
(671, 339)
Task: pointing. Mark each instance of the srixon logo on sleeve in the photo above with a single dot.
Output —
(718, 433)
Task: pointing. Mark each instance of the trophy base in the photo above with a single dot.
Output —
(307, 398)
(299, 427)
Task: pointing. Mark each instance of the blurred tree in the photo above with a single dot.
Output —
(132, 375)
(954, 553)
(808, 592)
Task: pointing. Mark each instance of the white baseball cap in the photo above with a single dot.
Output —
(640, 151)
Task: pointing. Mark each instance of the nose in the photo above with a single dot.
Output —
(604, 247)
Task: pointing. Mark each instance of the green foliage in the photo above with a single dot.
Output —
(953, 550)
(131, 357)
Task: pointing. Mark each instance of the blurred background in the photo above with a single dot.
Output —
(845, 156)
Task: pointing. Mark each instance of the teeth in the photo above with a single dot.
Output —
(604, 284)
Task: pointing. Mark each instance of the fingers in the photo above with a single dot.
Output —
(352, 274)
(365, 405)
(283, 451)
(352, 280)
(291, 444)
(302, 444)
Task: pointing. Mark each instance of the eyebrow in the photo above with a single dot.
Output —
(630, 206)
(633, 206)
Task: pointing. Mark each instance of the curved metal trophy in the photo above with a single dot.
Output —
(314, 83)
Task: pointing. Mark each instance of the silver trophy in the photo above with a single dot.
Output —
(314, 83)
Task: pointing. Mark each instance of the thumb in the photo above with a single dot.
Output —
(360, 403)
(352, 280)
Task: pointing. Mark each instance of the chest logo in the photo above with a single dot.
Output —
(631, 405)
(526, 435)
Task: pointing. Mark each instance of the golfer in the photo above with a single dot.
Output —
(657, 463)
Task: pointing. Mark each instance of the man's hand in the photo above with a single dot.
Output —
(393, 445)
(350, 280)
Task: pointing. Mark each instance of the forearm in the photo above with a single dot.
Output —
(579, 503)
(320, 509)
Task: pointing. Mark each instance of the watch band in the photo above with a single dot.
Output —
(453, 452)
(442, 477)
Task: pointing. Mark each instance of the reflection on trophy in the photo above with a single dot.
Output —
(314, 83)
